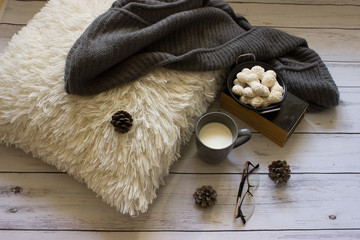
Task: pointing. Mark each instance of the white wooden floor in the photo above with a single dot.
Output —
(321, 200)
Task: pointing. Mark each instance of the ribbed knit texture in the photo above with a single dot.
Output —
(134, 37)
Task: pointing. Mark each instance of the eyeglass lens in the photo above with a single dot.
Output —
(248, 200)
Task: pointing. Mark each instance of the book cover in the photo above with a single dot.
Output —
(277, 126)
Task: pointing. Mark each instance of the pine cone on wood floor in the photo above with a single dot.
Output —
(122, 121)
(205, 196)
(279, 171)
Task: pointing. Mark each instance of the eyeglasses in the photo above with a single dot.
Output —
(245, 202)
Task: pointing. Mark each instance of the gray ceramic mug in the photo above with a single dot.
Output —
(211, 153)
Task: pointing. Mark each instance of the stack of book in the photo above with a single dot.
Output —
(277, 126)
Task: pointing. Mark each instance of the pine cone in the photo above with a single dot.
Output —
(205, 196)
(122, 121)
(279, 171)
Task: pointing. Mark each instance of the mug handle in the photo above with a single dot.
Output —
(246, 134)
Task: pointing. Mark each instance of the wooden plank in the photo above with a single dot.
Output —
(342, 119)
(16, 160)
(345, 74)
(305, 16)
(3, 4)
(60, 235)
(309, 201)
(331, 44)
(304, 153)
(6, 33)
(313, 16)
(20, 12)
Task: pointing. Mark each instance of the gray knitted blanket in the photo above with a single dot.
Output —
(134, 37)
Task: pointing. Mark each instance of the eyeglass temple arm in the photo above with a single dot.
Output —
(238, 212)
(244, 176)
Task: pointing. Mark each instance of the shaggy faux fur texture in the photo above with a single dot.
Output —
(74, 133)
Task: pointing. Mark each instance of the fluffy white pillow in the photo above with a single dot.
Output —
(74, 133)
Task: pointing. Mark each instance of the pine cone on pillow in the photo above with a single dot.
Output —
(122, 121)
